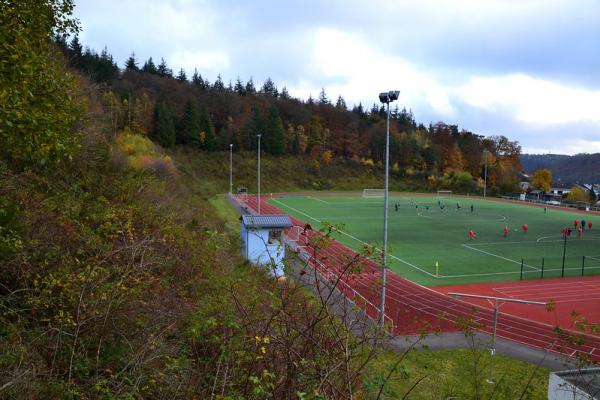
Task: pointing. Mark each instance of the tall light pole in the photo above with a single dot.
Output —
(498, 301)
(258, 173)
(385, 98)
(485, 172)
(230, 168)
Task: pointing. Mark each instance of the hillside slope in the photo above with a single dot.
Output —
(580, 168)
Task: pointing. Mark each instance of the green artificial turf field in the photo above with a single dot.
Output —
(420, 234)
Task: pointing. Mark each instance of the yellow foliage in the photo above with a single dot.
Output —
(542, 179)
(135, 145)
(142, 154)
(326, 157)
(578, 194)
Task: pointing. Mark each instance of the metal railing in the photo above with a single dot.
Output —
(330, 277)
(544, 202)
(560, 267)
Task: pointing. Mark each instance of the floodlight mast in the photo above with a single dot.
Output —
(485, 153)
(258, 173)
(386, 98)
(497, 301)
(230, 168)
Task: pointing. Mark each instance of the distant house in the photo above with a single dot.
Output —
(261, 235)
(524, 182)
(559, 192)
(595, 187)
(554, 196)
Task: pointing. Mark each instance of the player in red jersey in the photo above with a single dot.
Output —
(505, 230)
(472, 234)
(525, 228)
(589, 225)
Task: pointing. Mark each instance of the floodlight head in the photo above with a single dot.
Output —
(384, 97)
(393, 95)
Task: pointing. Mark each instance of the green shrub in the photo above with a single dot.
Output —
(38, 105)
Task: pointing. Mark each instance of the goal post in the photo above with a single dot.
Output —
(441, 194)
(373, 193)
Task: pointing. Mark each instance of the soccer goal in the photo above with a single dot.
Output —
(373, 193)
(442, 194)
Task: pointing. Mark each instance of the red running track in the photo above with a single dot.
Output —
(572, 298)
(413, 307)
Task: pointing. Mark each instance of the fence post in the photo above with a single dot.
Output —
(521, 269)
(542, 268)
(582, 264)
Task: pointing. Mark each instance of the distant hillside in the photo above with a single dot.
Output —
(580, 168)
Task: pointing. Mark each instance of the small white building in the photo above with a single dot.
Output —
(574, 385)
(261, 236)
(559, 191)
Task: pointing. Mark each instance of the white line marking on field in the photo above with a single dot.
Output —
(497, 243)
(357, 239)
(541, 239)
(414, 266)
(298, 211)
(497, 256)
(318, 199)
(499, 218)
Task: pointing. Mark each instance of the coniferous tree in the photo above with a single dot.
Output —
(218, 85)
(61, 42)
(149, 67)
(284, 94)
(131, 63)
(359, 110)
(374, 110)
(250, 89)
(181, 76)
(198, 82)
(163, 70)
(207, 130)
(269, 88)
(189, 126)
(75, 51)
(239, 87)
(340, 103)
(164, 125)
(101, 68)
(274, 133)
(323, 97)
(254, 126)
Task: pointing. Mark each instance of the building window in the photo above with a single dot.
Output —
(274, 236)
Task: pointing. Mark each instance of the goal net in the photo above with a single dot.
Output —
(441, 194)
(373, 193)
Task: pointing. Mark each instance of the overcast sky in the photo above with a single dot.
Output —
(526, 69)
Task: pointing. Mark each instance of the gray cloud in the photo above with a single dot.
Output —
(433, 50)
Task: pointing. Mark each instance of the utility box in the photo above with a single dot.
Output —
(575, 385)
(262, 239)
